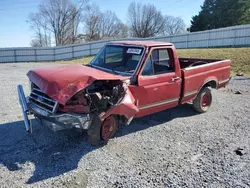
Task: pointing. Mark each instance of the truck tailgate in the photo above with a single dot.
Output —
(194, 78)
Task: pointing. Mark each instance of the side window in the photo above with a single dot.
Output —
(148, 69)
(159, 63)
(113, 54)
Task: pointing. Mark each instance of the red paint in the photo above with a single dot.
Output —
(63, 82)
(126, 107)
(194, 78)
(74, 108)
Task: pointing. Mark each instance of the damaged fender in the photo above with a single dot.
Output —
(126, 107)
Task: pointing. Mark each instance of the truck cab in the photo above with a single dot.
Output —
(158, 80)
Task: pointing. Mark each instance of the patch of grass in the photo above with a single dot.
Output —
(84, 60)
(240, 57)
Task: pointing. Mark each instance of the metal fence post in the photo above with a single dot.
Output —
(234, 41)
(208, 40)
(72, 50)
(15, 59)
(54, 54)
(90, 51)
(35, 55)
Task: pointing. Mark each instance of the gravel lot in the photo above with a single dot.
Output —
(174, 148)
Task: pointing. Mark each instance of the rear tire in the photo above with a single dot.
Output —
(203, 100)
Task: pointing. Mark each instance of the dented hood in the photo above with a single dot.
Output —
(62, 82)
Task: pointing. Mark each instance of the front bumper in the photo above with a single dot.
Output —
(57, 121)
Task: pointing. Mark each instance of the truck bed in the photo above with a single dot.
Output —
(198, 72)
(188, 62)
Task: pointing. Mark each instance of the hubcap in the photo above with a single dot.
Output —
(108, 127)
(205, 100)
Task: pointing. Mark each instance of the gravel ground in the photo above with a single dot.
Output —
(174, 148)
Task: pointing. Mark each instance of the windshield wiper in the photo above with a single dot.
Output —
(104, 69)
(114, 71)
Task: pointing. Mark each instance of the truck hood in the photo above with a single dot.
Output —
(62, 82)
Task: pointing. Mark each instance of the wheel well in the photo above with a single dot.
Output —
(121, 118)
(211, 84)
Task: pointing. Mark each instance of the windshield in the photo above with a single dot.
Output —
(118, 59)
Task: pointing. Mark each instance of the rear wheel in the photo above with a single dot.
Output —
(203, 100)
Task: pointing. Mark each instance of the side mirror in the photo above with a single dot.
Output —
(134, 80)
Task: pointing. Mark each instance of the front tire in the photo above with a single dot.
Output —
(94, 137)
(102, 130)
(203, 100)
(109, 128)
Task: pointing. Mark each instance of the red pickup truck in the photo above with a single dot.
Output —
(126, 79)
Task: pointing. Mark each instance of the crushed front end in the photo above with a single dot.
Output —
(97, 98)
(47, 110)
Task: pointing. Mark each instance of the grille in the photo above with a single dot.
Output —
(42, 100)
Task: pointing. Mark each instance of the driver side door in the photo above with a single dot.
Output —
(159, 82)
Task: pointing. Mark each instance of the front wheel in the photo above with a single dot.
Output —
(102, 130)
(109, 128)
(203, 100)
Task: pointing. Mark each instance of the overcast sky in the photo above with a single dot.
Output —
(15, 31)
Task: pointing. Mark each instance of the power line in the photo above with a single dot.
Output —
(171, 4)
(174, 3)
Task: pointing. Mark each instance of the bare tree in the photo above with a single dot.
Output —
(71, 32)
(91, 20)
(174, 25)
(61, 18)
(35, 43)
(145, 20)
(40, 42)
(104, 25)
(123, 30)
(109, 25)
(42, 34)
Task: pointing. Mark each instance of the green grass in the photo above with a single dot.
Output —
(240, 57)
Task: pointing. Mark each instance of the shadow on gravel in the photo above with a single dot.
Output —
(140, 124)
(244, 78)
(51, 154)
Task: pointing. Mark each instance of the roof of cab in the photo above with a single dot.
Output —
(145, 43)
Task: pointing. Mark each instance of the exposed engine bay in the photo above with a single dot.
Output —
(98, 97)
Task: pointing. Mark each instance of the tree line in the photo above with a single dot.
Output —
(221, 13)
(58, 22)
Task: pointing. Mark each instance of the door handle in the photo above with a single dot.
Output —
(175, 78)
